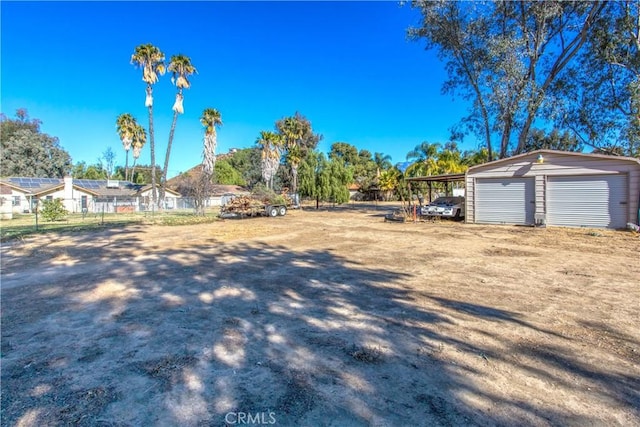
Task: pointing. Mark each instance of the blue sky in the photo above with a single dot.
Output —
(347, 66)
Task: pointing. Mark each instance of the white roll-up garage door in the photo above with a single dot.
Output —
(587, 201)
(504, 200)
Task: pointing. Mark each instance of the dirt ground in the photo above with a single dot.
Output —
(330, 318)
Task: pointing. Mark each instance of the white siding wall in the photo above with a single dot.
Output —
(556, 164)
(22, 204)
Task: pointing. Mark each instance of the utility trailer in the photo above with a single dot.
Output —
(235, 206)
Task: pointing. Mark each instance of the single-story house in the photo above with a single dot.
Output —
(81, 195)
(547, 187)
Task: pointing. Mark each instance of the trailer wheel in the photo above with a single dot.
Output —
(273, 211)
(282, 211)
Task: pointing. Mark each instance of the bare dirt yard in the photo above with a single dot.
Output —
(330, 318)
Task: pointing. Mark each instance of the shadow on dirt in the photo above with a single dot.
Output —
(135, 334)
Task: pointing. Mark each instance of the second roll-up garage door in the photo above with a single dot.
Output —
(587, 201)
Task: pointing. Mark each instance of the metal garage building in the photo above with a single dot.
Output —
(555, 188)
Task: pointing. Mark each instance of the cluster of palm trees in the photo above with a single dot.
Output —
(287, 142)
(151, 61)
(133, 137)
(271, 145)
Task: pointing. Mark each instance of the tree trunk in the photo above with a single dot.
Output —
(163, 183)
(152, 148)
(133, 171)
(294, 172)
(126, 166)
(506, 135)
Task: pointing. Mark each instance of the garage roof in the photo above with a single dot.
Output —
(438, 178)
(543, 152)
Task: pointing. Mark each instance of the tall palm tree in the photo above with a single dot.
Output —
(125, 125)
(271, 146)
(151, 60)
(210, 119)
(139, 139)
(292, 133)
(181, 68)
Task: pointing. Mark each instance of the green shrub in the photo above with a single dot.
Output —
(53, 210)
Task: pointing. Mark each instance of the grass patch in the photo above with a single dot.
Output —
(185, 219)
(25, 225)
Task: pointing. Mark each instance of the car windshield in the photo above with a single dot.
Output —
(447, 201)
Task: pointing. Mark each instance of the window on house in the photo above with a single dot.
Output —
(16, 200)
(83, 202)
(49, 197)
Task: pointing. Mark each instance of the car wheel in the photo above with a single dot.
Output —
(273, 211)
(282, 211)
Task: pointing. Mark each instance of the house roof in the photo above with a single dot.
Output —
(168, 190)
(96, 187)
(32, 185)
(5, 189)
(557, 152)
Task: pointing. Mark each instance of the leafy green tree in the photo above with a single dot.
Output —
(344, 152)
(539, 139)
(247, 162)
(475, 157)
(53, 210)
(225, 174)
(324, 180)
(151, 60)
(83, 171)
(362, 165)
(26, 151)
(181, 68)
(606, 84)
(508, 58)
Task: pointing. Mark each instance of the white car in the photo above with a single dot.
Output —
(450, 207)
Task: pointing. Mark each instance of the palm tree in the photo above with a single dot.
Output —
(181, 68)
(125, 125)
(210, 119)
(388, 181)
(292, 133)
(139, 139)
(271, 146)
(425, 159)
(382, 161)
(151, 60)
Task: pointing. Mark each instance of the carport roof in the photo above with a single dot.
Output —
(438, 178)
